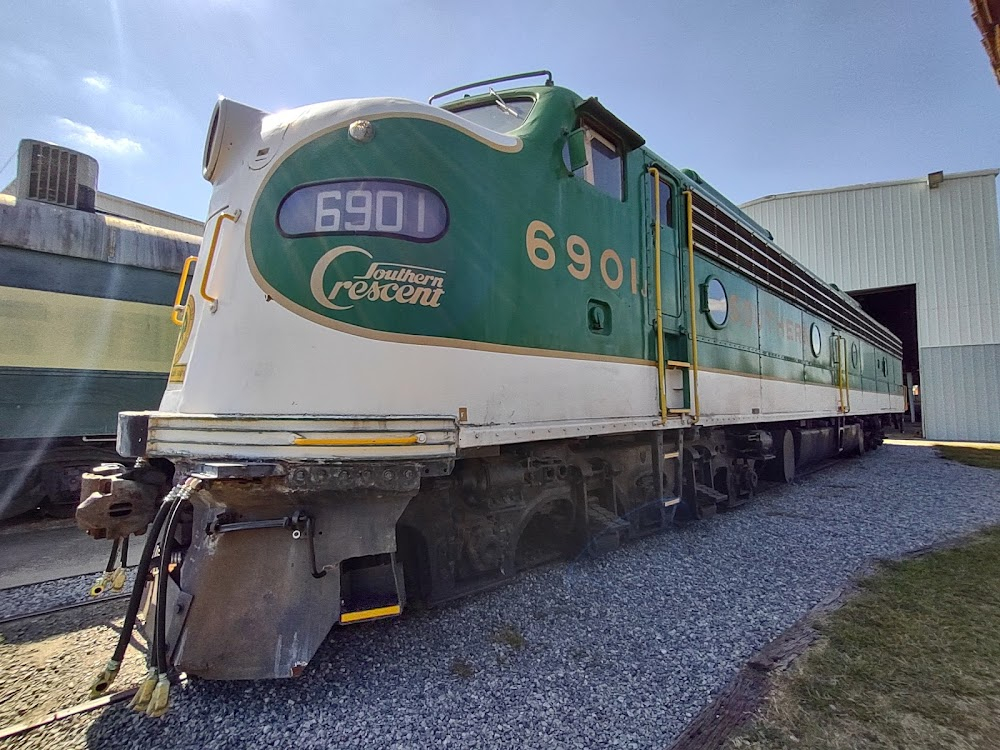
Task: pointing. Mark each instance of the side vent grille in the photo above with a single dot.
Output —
(56, 175)
(53, 175)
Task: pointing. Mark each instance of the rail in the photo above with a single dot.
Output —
(60, 608)
(843, 376)
(178, 307)
(660, 370)
(214, 301)
(490, 81)
(691, 304)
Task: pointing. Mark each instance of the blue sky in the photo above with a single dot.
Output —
(759, 97)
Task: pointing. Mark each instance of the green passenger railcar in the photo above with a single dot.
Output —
(85, 334)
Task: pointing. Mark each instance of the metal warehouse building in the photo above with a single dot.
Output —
(922, 256)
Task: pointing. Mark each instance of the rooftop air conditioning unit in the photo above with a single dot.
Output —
(54, 174)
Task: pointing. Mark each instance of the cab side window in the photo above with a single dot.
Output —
(666, 206)
(604, 168)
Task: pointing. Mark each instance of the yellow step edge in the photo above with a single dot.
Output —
(370, 614)
(351, 442)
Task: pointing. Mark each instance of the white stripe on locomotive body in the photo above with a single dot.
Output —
(731, 398)
(254, 357)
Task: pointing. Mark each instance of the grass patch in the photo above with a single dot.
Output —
(912, 661)
(508, 635)
(462, 668)
(985, 458)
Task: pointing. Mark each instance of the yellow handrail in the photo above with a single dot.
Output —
(661, 375)
(178, 307)
(843, 376)
(692, 304)
(847, 377)
(214, 301)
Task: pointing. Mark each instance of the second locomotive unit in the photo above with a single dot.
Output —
(426, 347)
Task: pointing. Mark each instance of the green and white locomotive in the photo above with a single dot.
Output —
(426, 347)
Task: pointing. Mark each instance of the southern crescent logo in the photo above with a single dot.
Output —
(319, 272)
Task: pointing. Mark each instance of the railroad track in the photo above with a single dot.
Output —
(61, 608)
(18, 729)
(15, 730)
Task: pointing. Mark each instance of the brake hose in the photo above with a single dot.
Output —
(105, 678)
(160, 618)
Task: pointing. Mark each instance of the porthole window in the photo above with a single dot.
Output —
(854, 356)
(716, 305)
(815, 340)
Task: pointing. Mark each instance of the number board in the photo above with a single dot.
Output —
(373, 207)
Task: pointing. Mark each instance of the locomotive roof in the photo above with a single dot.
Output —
(45, 228)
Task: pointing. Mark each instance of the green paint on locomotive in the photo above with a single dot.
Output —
(528, 254)
(476, 284)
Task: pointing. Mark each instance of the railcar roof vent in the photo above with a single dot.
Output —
(53, 174)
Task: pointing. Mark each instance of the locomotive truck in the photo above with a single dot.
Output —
(426, 347)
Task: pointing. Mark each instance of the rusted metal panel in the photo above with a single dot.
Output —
(986, 14)
(257, 609)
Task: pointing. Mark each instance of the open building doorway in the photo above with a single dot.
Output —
(895, 307)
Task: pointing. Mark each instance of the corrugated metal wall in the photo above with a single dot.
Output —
(946, 241)
(963, 405)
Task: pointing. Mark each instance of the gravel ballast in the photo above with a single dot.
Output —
(618, 652)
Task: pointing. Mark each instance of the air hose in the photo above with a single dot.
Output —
(159, 697)
(118, 576)
(170, 503)
(114, 556)
(160, 622)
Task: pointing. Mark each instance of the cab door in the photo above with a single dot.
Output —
(664, 210)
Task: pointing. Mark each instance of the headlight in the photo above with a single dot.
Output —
(232, 127)
(212, 143)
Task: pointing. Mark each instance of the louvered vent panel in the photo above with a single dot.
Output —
(53, 175)
(56, 175)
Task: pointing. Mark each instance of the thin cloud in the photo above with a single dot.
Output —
(98, 83)
(23, 64)
(90, 140)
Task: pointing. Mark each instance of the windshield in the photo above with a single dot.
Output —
(499, 114)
